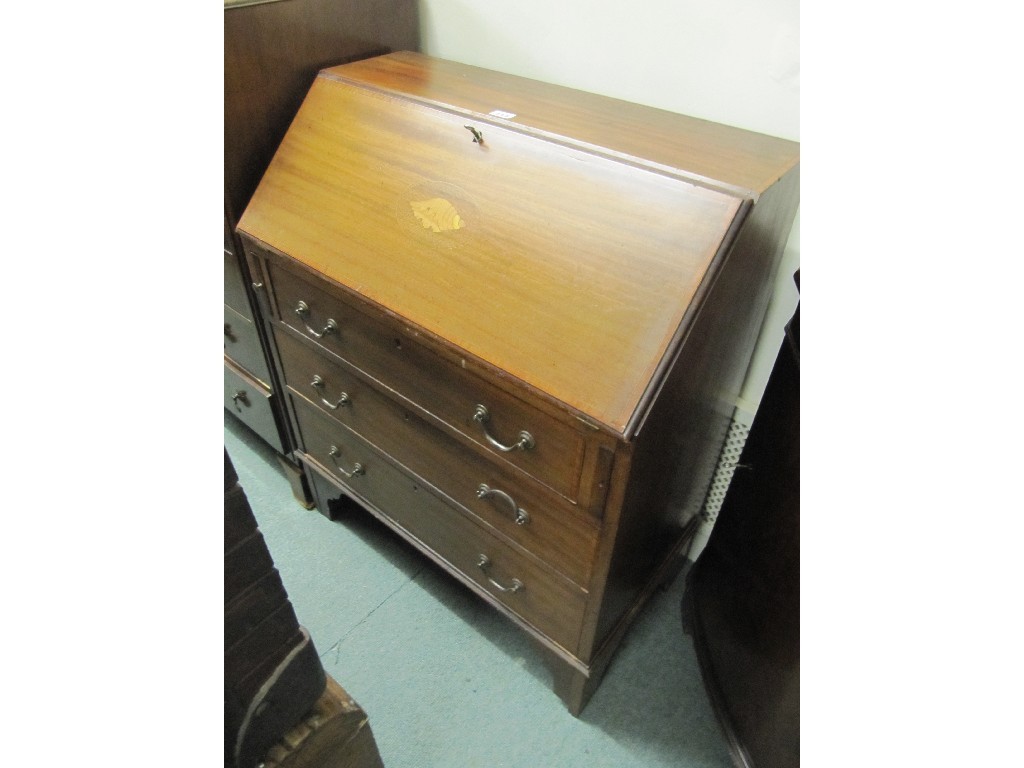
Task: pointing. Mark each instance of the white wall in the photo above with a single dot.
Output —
(731, 61)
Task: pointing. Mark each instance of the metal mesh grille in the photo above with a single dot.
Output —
(727, 462)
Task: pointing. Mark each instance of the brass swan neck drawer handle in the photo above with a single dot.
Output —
(482, 416)
(357, 468)
(484, 564)
(302, 310)
(521, 516)
(343, 402)
(240, 395)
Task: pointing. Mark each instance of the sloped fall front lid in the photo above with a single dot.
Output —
(566, 264)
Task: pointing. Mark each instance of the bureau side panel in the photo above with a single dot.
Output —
(677, 447)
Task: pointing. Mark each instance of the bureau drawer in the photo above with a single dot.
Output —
(552, 452)
(538, 596)
(242, 344)
(509, 502)
(249, 400)
(235, 295)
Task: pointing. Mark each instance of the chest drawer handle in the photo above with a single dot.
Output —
(482, 415)
(521, 516)
(343, 402)
(484, 563)
(302, 310)
(240, 396)
(357, 469)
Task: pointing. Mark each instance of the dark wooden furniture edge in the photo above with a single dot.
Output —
(692, 626)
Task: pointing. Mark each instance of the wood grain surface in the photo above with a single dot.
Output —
(570, 271)
(708, 150)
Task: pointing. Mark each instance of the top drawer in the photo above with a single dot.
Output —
(489, 418)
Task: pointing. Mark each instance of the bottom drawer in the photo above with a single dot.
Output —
(249, 400)
(541, 598)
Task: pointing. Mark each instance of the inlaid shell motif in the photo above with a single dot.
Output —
(437, 214)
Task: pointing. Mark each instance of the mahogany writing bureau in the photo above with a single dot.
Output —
(509, 317)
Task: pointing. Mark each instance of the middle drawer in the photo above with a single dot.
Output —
(505, 501)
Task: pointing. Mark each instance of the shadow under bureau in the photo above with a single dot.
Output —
(512, 319)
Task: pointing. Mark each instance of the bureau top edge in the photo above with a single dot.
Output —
(732, 160)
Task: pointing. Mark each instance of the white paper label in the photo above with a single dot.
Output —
(502, 114)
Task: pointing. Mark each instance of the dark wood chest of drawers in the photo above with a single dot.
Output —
(510, 318)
